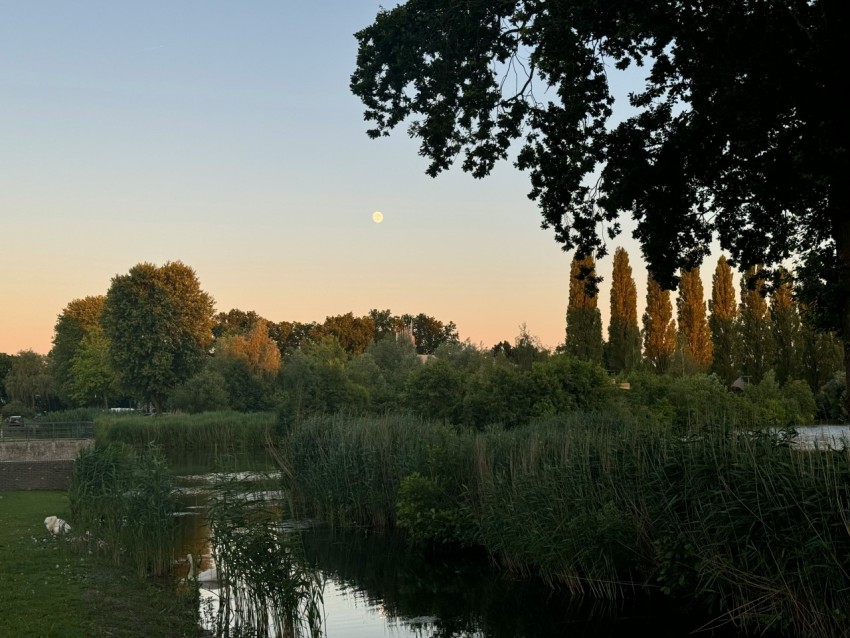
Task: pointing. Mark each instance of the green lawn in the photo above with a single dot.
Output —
(47, 588)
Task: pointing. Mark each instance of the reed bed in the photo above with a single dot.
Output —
(122, 504)
(739, 524)
(348, 470)
(267, 587)
(219, 432)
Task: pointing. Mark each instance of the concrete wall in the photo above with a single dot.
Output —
(46, 450)
(38, 465)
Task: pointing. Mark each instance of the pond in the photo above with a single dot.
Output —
(378, 585)
(822, 437)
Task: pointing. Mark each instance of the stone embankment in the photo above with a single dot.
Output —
(38, 464)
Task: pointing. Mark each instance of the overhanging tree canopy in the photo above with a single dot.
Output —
(739, 133)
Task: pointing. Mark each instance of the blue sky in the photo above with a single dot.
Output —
(224, 135)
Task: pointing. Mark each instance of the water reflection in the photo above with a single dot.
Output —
(378, 585)
(379, 581)
(251, 576)
(822, 437)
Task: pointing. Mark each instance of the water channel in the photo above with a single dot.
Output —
(378, 585)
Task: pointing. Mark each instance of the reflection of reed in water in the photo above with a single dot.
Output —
(452, 592)
(266, 587)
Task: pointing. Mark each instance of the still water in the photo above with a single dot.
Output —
(378, 585)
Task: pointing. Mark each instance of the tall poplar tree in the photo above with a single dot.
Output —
(694, 334)
(623, 332)
(723, 322)
(659, 329)
(756, 345)
(584, 321)
(786, 330)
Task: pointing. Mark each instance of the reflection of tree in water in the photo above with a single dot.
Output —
(463, 594)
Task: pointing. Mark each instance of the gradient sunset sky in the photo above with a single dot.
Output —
(224, 135)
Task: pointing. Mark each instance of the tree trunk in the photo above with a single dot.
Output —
(841, 226)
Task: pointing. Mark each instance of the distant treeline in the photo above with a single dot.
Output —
(154, 341)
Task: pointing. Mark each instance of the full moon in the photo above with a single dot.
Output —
(377, 217)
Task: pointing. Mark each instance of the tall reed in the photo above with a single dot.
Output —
(122, 503)
(348, 469)
(219, 432)
(267, 588)
(738, 523)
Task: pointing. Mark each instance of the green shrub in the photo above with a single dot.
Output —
(427, 512)
(830, 400)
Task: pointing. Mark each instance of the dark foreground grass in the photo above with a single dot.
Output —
(49, 589)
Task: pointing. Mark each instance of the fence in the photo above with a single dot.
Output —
(47, 431)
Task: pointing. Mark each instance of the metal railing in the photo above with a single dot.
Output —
(33, 430)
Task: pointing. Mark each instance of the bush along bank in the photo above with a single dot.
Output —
(736, 524)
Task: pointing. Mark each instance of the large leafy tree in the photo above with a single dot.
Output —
(29, 381)
(739, 133)
(584, 321)
(257, 349)
(430, 333)
(353, 333)
(316, 379)
(77, 319)
(92, 380)
(159, 325)
(234, 321)
(386, 323)
(623, 332)
(289, 335)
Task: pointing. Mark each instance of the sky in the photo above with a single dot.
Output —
(224, 135)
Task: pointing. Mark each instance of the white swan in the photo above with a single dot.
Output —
(56, 525)
(208, 577)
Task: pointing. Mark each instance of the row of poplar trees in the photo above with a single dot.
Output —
(729, 336)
